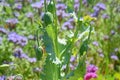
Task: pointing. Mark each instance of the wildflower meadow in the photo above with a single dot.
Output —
(59, 39)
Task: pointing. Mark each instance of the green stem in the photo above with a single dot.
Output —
(37, 38)
(56, 31)
(45, 6)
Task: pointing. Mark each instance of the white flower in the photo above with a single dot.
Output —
(62, 41)
(56, 61)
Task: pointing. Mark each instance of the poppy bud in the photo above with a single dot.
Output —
(47, 18)
(39, 53)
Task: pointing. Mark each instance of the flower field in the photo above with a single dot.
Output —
(59, 39)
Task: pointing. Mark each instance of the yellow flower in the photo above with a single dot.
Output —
(88, 18)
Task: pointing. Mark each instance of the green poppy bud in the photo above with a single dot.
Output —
(50, 7)
(47, 18)
(39, 53)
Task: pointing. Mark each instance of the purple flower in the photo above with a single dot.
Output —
(88, 76)
(84, 2)
(31, 37)
(17, 39)
(91, 72)
(97, 8)
(95, 43)
(114, 57)
(18, 52)
(61, 14)
(76, 7)
(12, 21)
(18, 6)
(16, 14)
(32, 60)
(61, 6)
(38, 5)
(116, 49)
(92, 69)
(2, 77)
(23, 55)
(72, 59)
(76, 1)
(3, 30)
(29, 15)
(95, 14)
(101, 55)
(105, 16)
(106, 37)
(63, 67)
(101, 6)
(67, 25)
(4, 4)
(112, 32)
(37, 69)
(72, 67)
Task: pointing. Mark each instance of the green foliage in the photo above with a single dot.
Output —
(50, 70)
(79, 71)
(47, 54)
(84, 47)
(47, 18)
(39, 53)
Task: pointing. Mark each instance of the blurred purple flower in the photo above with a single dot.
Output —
(92, 68)
(76, 7)
(17, 39)
(88, 76)
(32, 60)
(3, 30)
(61, 6)
(23, 55)
(63, 67)
(5, 4)
(101, 55)
(84, 2)
(91, 72)
(95, 14)
(72, 59)
(101, 6)
(18, 52)
(95, 43)
(116, 49)
(12, 21)
(67, 25)
(37, 69)
(72, 67)
(18, 6)
(38, 5)
(61, 14)
(76, 1)
(16, 14)
(105, 16)
(114, 57)
(112, 32)
(29, 15)
(31, 37)
(2, 77)
(100, 51)
(97, 8)
(106, 37)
